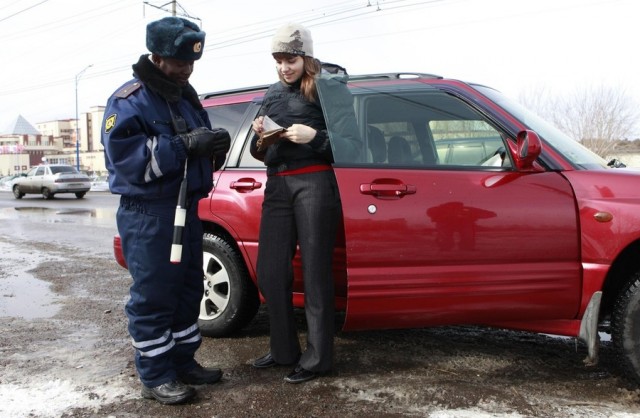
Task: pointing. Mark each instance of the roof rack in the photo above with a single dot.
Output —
(392, 76)
(233, 91)
(357, 77)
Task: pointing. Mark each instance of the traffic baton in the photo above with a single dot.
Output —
(179, 220)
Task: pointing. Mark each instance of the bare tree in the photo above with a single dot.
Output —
(597, 116)
(539, 99)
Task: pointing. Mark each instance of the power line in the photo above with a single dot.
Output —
(23, 10)
(65, 22)
(237, 39)
(339, 12)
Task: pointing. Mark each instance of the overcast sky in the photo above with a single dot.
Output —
(511, 45)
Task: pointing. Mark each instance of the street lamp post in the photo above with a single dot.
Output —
(77, 119)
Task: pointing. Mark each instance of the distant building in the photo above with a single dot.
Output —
(15, 144)
(62, 130)
(23, 146)
(91, 124)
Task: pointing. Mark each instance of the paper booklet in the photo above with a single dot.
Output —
(270, 134)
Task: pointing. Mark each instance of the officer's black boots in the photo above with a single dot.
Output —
(169, 393)
(200, 375)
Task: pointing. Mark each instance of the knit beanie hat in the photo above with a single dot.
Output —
(174, 37)
(294, 39)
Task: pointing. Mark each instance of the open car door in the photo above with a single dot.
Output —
(441, 225)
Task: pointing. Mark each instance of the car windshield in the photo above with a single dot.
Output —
(55, 169)
(565, 145)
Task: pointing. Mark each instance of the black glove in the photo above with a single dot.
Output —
(222, 141)
(199, 142)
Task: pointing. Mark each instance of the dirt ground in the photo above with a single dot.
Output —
(78, 362)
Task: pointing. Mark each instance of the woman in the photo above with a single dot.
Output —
(301, 207)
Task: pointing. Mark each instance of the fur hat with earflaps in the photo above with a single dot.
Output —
(293, 39)
(174, 37)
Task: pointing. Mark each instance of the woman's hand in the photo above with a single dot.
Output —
(257, 124)
(300, 134)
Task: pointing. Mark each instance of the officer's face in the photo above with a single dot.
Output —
(177, 70)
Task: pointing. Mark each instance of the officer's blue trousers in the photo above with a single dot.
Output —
(165, 298)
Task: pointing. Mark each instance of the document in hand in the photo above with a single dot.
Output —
(270, 134)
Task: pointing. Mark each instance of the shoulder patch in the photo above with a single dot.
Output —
(124, 92)
(109, 123)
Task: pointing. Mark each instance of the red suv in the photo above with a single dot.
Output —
(462, 208)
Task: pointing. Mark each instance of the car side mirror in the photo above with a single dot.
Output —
(528, 149)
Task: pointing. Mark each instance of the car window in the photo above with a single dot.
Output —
(55, 169)
(228, 117)
(231, 117)
(418, 126)
(40, 171)
(338, 107)
(464, 142)
(246, 159)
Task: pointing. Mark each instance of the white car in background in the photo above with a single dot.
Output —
(100, 184)
(6, 182)
(51, 179)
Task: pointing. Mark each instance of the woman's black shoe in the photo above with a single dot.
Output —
(268, 361)
(299, 375)
(264, 362)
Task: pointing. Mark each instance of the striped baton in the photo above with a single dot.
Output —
(179, 220)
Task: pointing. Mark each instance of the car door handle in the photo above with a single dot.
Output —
(387, 190)
(245, 184)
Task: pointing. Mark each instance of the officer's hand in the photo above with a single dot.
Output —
(222, 141)
(200, 142)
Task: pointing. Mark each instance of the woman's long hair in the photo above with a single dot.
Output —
(308, 82)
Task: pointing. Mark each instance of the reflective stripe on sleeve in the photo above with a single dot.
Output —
(152, 171)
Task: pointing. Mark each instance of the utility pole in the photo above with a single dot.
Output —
(173, 10)
(77, 119)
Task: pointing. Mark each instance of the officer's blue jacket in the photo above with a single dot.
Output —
(143, 154)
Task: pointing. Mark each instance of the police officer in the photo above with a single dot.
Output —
(154, 127)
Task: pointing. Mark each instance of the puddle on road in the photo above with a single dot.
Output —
(26, 297)
(21, 294)
(93, 213)
(60, 215)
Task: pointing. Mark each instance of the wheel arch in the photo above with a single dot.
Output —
(617, 279)
(216, 229)
(240, 291)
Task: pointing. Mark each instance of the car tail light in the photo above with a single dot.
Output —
(68, 180)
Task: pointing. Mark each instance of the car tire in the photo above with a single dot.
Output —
(80, 195)
(625, 329)
(230, 298)
(46, 193)
(17, 193)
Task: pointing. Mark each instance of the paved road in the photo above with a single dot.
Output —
(91, 199)
(33, 217)
(64, 348)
